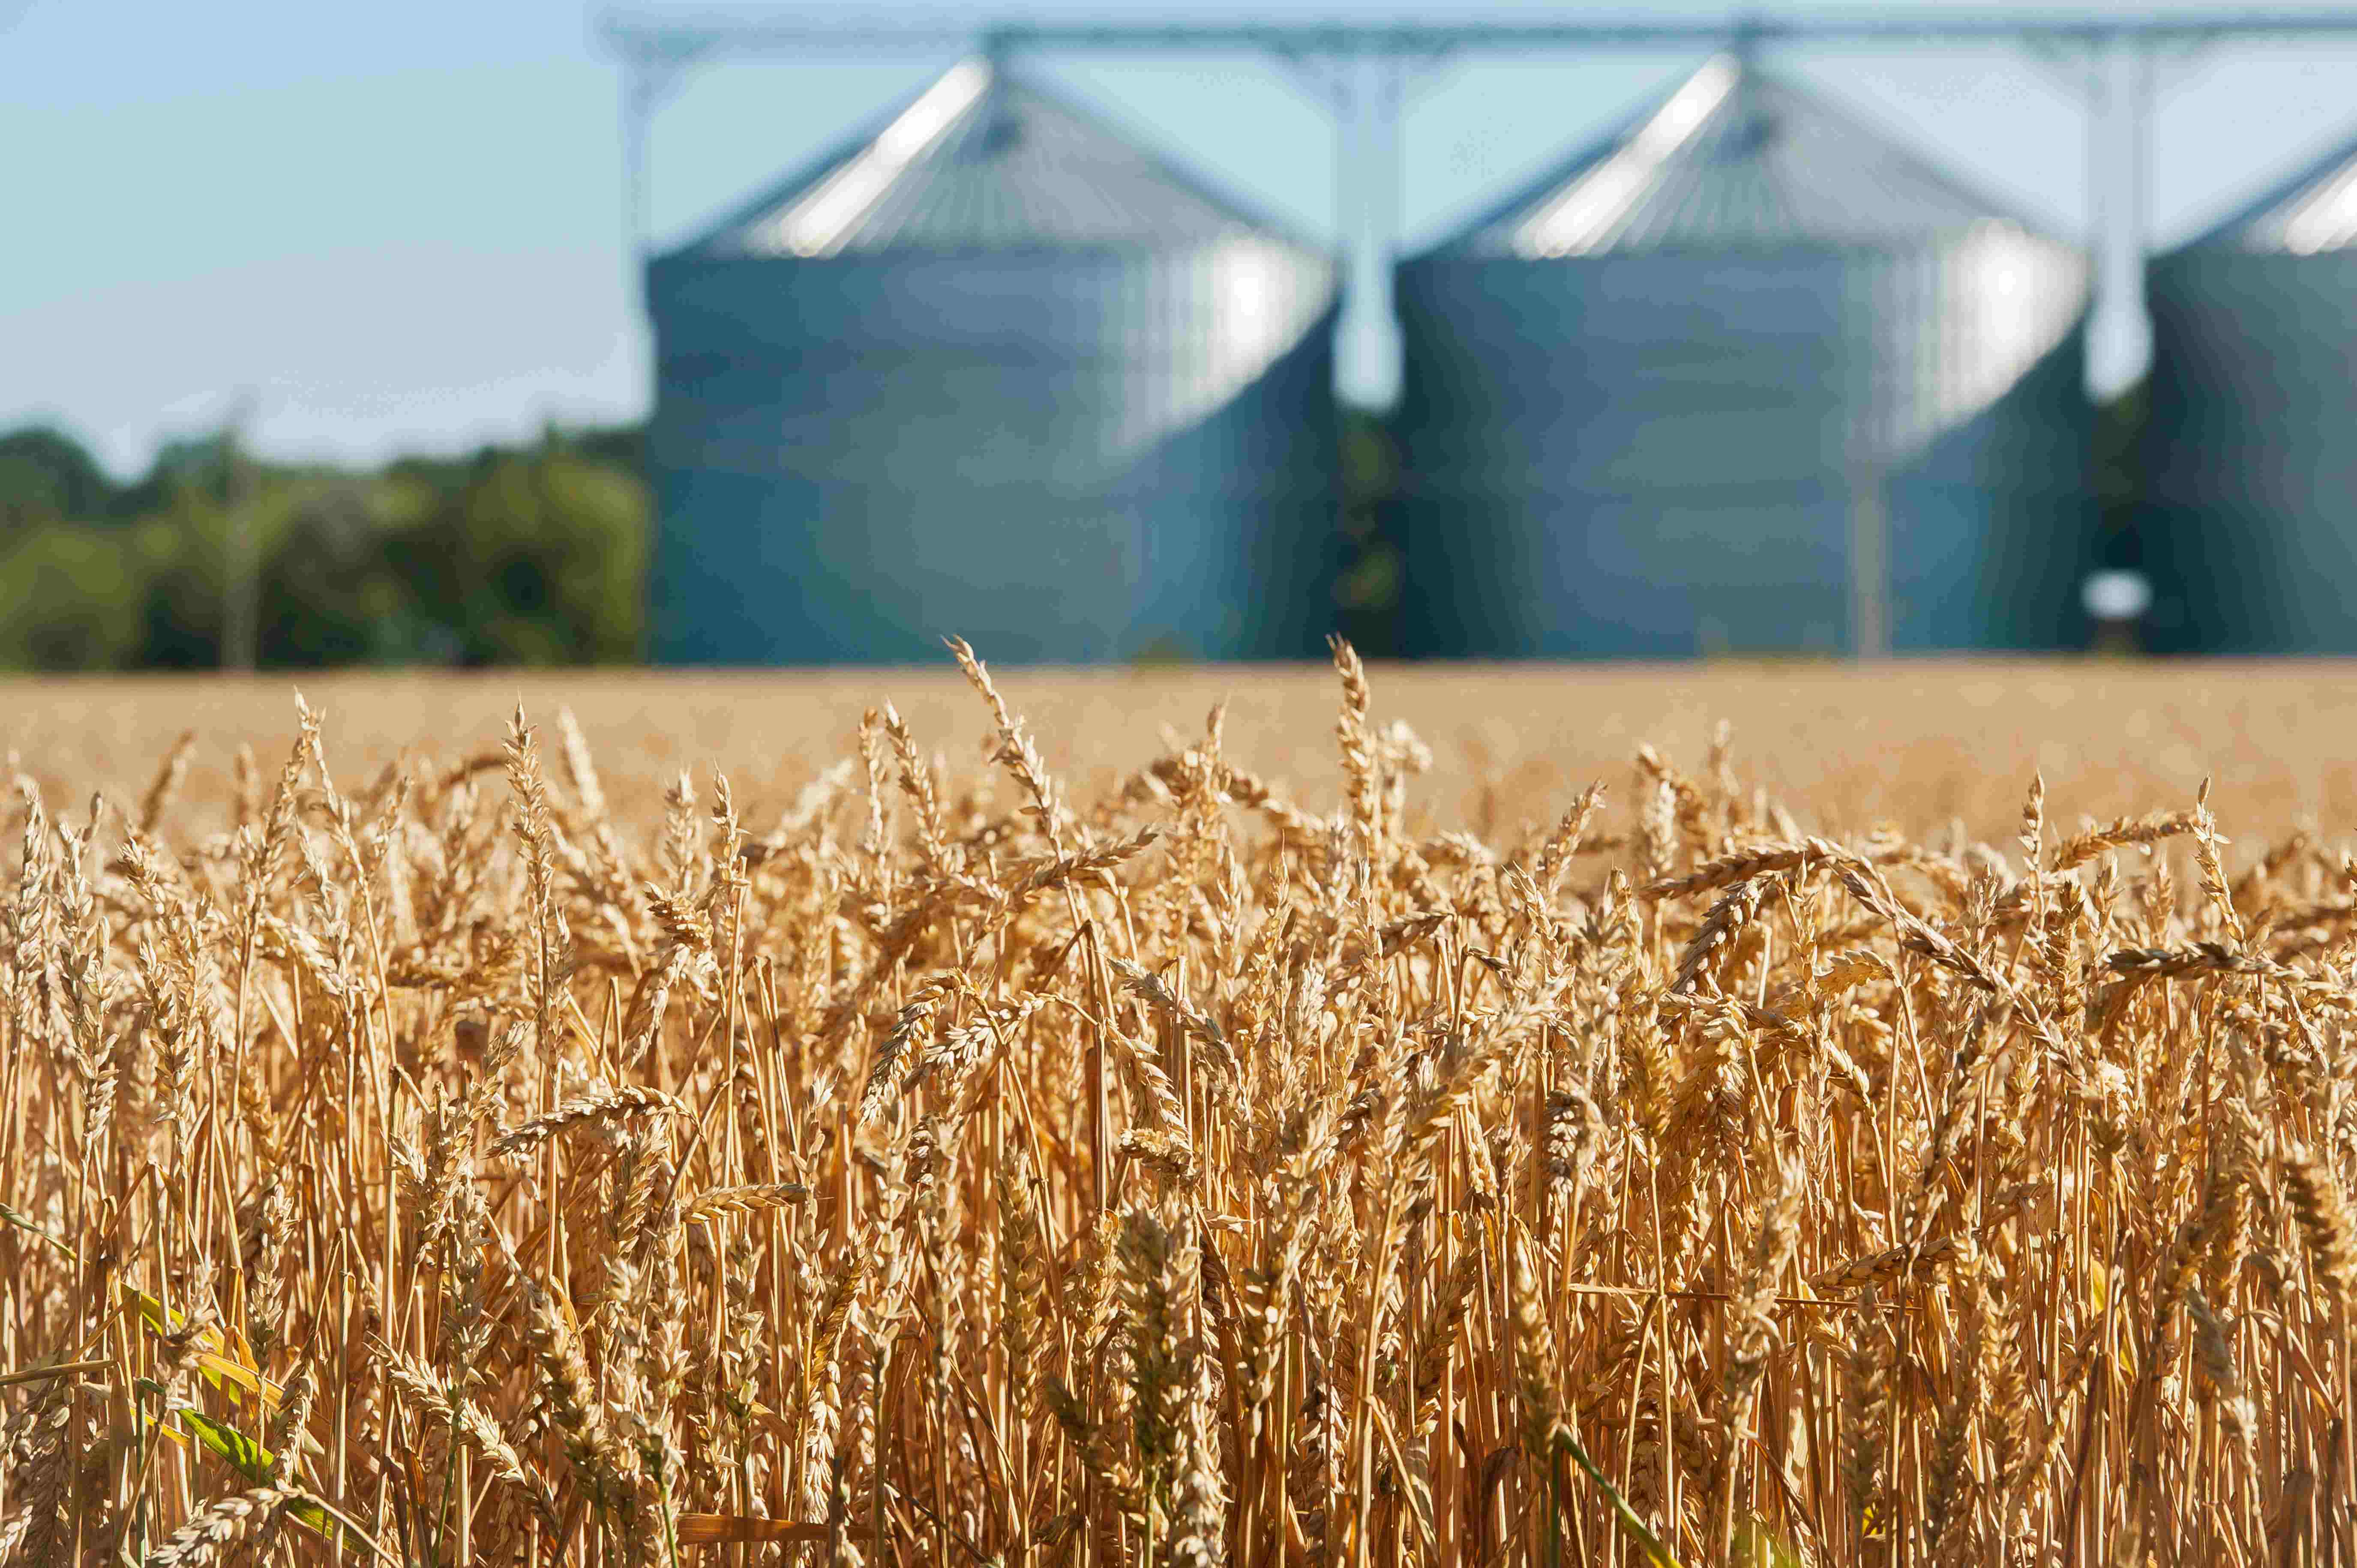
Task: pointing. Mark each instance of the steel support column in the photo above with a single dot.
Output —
(653, 70)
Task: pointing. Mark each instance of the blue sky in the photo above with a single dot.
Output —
(400, 228)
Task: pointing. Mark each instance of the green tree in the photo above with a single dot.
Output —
(2120, 471)
(1368, 593)
(45, 476)
(69, 597)
(536, 557)
(509, 556)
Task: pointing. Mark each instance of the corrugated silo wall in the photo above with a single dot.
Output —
(1655, 456)
(1638, 455)
(855, 457)
(1993, 530)
(2249, 531)
(1244, 553)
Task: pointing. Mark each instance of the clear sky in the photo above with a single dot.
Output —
(399, 227)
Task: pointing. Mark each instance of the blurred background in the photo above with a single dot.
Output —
(447, 335)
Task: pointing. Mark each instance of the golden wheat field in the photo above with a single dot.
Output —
(1912, 743)
(1444, 1117)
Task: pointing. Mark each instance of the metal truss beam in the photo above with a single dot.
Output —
(759, 33)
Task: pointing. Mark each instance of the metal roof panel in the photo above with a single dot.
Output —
(986, 160)
(2314, 211)
(1732, 158)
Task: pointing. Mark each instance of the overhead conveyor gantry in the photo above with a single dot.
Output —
(1360, 72)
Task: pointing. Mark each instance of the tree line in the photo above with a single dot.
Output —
(526, 555)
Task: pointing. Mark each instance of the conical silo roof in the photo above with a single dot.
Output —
(1733, 157)
(2314, 211)
(985, 160)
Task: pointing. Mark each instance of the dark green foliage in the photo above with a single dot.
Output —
(534, 558)
(2119, 470)
(46, 477)
(69, 597)
(510, 556)
(622, 446)
(1368, 593)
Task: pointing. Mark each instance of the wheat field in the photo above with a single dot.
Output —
(1912, 743)
(1440, 1117)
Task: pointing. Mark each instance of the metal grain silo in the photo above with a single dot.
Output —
(992, 370)
(1747, 376)
(2250, 530)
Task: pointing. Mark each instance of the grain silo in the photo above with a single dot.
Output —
(1748, 377)
(2250, 530)
(992, 370)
